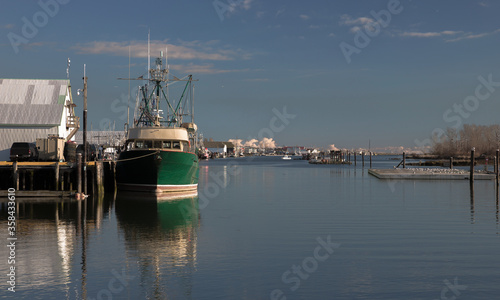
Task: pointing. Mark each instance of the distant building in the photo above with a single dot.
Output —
(222, 148)
(35, 108)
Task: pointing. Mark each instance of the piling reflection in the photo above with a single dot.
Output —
(52, 239)
(497, 206)
(472, 212)
(160, 234)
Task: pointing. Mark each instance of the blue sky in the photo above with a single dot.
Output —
(252, 56)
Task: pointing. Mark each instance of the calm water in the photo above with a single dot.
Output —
(266, 228)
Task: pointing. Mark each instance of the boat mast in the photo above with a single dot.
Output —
(149, 54)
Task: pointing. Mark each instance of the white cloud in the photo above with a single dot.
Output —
(202, 69)
(251, 143)
(449, 35)
(332, 147)
(246, 4)
(473, 36)
(355, 29)
(235, 6)
(304, 17)
(347, 20)
(429, 34)
(236, 142)
(184, 50)
(267, 143)
(279, 12)
(255, 143)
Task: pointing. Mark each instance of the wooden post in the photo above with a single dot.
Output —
(497, 163)
(79, 172)
(355, 162)
(471, 176)
(61, 180)
(56, 176)
(451, 162)
(113, 165)
(404, 160)
(15, 175)
(32, 177)
(363, 158)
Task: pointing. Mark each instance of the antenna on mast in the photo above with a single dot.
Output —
(149, 54)
(128, 100)
(67, 69)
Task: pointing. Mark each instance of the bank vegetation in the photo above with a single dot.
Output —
(485, 139)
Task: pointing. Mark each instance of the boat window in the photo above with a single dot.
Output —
(185, 146)
(166, 145)
(148, 144)
(139, 144)
(157, 144)
(177, 145)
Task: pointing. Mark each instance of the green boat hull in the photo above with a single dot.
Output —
(157, 171)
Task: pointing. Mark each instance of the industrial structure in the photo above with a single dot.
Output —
(35, 108)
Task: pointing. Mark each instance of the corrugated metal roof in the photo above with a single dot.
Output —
(32, 101)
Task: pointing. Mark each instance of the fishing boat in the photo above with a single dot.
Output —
(160, 153)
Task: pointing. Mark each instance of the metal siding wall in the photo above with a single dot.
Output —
(28, 134)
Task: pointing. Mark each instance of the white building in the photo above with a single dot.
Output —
(35, 108)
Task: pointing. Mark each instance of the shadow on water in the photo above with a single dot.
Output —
(160, 236)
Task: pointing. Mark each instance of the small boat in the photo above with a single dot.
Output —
(286, 157)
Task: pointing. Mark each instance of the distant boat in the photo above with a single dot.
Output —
(286, 157)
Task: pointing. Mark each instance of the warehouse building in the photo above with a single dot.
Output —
(35, 108)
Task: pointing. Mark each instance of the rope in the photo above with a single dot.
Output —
(156, 152)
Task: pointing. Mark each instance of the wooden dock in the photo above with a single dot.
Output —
(56, 179)
(429, 174)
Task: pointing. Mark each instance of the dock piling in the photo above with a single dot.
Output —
(471, 176)
(404, 160)
(497, 163)
(56, 175)
(15, 175)
(451, 162)
(79, 172)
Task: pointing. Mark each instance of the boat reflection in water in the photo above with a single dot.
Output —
(160, 234)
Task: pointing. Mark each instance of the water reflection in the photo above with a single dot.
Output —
(52, 234)
(161, 237)
(472, 218)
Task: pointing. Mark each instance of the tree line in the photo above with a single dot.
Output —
(485, 139)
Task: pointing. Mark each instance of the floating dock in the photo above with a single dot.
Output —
(429, 174)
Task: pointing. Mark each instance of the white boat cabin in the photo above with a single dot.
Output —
(173, 139)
